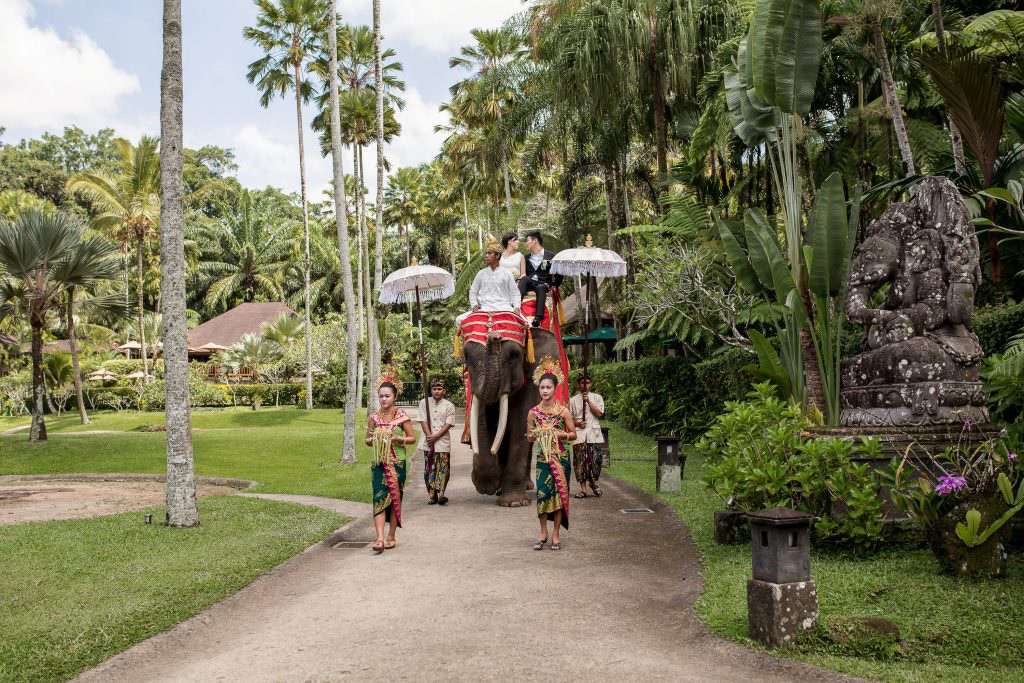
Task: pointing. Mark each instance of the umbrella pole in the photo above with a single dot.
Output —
(586, 343)
(423, 363)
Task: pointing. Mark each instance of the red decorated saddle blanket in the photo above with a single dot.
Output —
(509, 326)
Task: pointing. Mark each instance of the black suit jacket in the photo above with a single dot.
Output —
(543, 273)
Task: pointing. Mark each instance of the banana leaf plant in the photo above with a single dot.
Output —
(762, 269)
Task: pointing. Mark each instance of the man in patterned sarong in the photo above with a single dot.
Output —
(587, 409)
(435, 442)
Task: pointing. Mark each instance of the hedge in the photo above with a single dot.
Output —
(671, 396)
(994, 326)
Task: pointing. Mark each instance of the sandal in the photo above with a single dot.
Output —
(556, 546)
(393, 544)
(442, 500)
(539, 545)
(598, 492)
(378, 547)
(431, 501)
(580, 494)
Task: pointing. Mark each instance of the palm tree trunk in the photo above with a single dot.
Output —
(954, 133)
(373, 342)
(658, 102)
(611, 200)
(889, 87)
(508, 187)
(37, 432)
(305, 235)
(348, 449)
(182, 509)
(73, 344)
(142, 328)
(378, 266)
(465, 215)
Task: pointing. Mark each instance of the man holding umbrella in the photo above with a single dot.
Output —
(436, 420)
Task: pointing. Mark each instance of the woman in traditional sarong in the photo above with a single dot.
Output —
(388, 430)
(550, 425)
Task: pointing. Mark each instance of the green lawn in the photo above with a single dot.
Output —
(76, 592)
(954, 630)
(286, 450)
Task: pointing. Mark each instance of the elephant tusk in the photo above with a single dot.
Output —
(474, 425)
(502, 422)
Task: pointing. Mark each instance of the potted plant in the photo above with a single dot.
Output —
(963, 498)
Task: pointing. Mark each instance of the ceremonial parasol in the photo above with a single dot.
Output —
(418, 283)
(589, 261)
(101, 375)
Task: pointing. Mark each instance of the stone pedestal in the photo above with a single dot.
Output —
(778, 612)
(669, 478)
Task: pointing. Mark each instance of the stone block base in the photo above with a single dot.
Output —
(669, 478)
(778, 612)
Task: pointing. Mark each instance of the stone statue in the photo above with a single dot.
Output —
(919, 359)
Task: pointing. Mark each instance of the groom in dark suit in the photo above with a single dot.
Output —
(539, 278)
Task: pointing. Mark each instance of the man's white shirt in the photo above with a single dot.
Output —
(494, 289)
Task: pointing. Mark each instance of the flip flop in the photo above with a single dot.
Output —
(556, 546)
(580, 494)
(539, 545)
(598, 493)
(442, 500)
(389, 547)
(378, 547)
(431, 501)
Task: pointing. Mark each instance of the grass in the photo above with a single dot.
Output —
(76, 592)
(953, 629)
(286, 450)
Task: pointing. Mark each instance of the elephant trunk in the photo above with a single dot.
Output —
(502, 423)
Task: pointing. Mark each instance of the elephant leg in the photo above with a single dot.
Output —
(516, 474)
(486, 467)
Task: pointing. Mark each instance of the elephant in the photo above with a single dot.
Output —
(503, 393)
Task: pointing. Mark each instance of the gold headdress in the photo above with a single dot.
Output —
(492, 244)
(548, 365)
(390, 374)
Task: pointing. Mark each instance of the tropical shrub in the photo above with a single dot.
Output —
(964, 499)
(996, 325)
(755, 458)
(670, 396)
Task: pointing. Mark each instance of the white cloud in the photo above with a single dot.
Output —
(440, 26)
(418, 142)
(49, 82)
(265, 159)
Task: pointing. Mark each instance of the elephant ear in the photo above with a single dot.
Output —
(544, 343)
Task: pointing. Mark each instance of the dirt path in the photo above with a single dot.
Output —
(36, 501)
(464, 598)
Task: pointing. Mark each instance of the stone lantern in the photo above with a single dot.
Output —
(670, 470)
(782, 600)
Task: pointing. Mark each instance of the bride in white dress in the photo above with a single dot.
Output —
(511, 260)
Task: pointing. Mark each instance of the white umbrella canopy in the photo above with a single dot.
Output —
(138, 374)
(588, 260)
(101, 374)
(433, 283)
(130, 346)
(211, 346)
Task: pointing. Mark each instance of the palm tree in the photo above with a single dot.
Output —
(87, 269)
(129, 205)
(290, 33)
(243, 256)
(45, 257)
(251, 352)
(402, 194)
(182, 509)
(284, 332)
(348, 450)
(487, 92)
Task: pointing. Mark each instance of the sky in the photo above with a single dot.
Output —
(96, 64)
